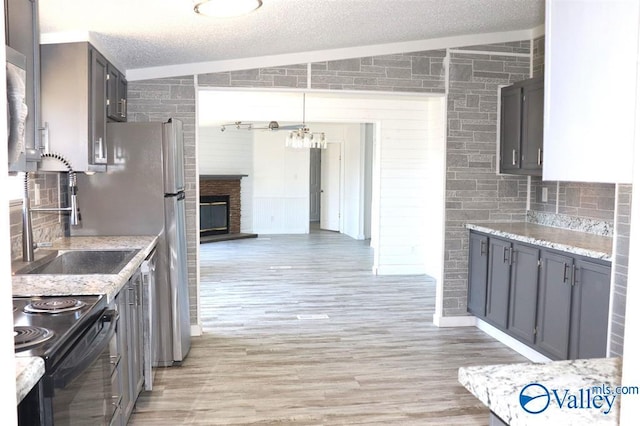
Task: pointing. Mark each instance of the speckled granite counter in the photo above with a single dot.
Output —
(582, 243)
(499, 387)
(29, 370)
(109, 285)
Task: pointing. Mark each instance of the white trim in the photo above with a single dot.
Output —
(309, 75)
(324, 55)
(457, 321)
(374, 94)
(614, 268)
(537, 31)
(197, 230)
(196, 330)
(512, 343)
(489, 52)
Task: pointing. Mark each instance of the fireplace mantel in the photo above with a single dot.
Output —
(222, 177)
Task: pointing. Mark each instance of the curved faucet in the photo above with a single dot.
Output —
(74, 215)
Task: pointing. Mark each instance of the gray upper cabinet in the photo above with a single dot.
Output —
(117, 94)
(523, 291)
(76, 106)
(521, 127)
(589, 313)
(22, 35)
(499, 273)
(477, 289)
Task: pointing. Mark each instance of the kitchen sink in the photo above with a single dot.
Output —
(80, 262)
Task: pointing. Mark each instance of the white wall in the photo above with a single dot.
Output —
(229, 153)
(281, 186)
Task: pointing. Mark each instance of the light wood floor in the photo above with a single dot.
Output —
(297, 331)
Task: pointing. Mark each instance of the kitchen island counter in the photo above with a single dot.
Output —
(499, 387)
(29, 370)
(66, 285)
(575, 242)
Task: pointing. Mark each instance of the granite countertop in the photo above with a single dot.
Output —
(576, 242)
(499, 387)
(64, 285)
(29, 370)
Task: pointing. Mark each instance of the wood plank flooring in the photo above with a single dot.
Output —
(297, 331)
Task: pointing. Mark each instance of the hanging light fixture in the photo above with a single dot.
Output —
(225, 8)
(302, 137)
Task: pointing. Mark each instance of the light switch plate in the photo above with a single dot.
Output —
(545, 195)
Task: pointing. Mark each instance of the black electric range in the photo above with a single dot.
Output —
(48, 327)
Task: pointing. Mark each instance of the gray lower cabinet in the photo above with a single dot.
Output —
(130, 343)
(523, 291)
(588, 338)
(555, 302)
(554, 297)
(499, 274)
(477, 289)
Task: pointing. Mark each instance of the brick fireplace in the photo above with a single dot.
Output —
(222, 188)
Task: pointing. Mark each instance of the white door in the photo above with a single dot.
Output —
(330, 192)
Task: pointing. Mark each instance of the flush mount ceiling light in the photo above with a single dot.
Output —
(225, 8)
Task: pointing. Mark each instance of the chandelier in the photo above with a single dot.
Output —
(303, 138)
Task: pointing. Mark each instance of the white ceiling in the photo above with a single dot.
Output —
(143, 34)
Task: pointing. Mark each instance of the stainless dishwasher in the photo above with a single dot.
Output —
(148, 270)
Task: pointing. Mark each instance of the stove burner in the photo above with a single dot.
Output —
(54, 306)
(27, 336)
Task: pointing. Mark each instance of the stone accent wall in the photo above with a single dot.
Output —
(474, 193)
(620, 269)
(230, 187)
(287, 76)
(46, 227)
(159, 100)
(587, 200)
(538, 57)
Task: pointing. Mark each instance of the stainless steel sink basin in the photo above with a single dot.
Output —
(80, 262)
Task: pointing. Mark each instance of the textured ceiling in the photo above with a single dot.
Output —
(152, 33)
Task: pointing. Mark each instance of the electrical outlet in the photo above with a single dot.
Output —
(545, 195)
(36, 194)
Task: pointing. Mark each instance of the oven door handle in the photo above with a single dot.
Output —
(73, 367)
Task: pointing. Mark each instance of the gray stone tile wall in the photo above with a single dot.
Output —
(521, 46)
(159, 100)
(291, 76)
(474, 193)
(584, 200)
(620, 271)
(538, 57)
(404, 72)
(46, 227)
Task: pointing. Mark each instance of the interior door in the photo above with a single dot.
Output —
(314, 185)
(330, 192)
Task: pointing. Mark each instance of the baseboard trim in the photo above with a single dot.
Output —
(512, 343)
(459, 321)
(196, 330)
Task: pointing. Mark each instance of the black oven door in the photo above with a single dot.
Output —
(82, 382)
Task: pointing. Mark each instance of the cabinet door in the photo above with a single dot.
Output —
(510, 128)
(478, 262)
(590, 310)
(532, 125)
(113, 77)
(123, 349)
(523, 292)
(135, 335)
(498, 281)
(554, 304)
(122, 97)
(98, 108)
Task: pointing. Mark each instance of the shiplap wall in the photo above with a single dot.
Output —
(229, 153)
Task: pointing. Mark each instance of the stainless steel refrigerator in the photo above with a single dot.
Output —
(142, 193)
